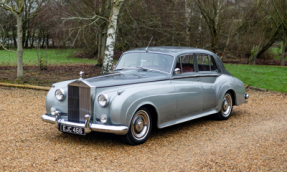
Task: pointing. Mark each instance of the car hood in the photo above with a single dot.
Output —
(127, 77)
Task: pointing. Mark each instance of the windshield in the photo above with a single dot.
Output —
(153, 61)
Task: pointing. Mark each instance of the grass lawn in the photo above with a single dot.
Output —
(54, 57)
(269, 77)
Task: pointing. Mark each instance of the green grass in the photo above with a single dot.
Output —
(268, 77)
(54, 57)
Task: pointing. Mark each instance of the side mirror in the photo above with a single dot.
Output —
(114, 67)
(176, 71)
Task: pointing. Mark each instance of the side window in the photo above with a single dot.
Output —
(187, 63)
(212, 64)
(203, 62)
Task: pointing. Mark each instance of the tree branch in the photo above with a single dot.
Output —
(82, 18)
(279, 15)
(1, 45)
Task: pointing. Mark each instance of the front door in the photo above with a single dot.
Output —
(187, 87)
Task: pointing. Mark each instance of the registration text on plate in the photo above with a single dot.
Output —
(71, 129)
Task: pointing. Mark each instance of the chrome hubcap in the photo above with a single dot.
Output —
(140, 125)
(226, 105)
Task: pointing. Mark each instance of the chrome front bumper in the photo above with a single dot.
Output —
(89, 127)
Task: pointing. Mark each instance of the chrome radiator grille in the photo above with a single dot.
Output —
(79, 102)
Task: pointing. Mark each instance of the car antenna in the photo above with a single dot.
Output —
(148, 44)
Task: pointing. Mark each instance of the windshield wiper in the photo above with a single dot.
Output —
(142, 68)
(120, 69)
(153, 70)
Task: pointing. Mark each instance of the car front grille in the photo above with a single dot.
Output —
(79, 101)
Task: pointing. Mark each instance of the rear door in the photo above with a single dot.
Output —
(208, 73)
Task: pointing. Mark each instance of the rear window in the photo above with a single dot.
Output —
(206, 62)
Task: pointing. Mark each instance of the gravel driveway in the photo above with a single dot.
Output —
(253, 139)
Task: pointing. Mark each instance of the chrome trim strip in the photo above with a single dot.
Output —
(196, 76)
(209, 75)
(81, 81)
(190, 76)
(119, 130)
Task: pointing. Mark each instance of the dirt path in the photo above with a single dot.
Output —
(253, 139)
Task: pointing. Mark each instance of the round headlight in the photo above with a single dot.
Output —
(103, 100)
(53, 110)
(60, 94)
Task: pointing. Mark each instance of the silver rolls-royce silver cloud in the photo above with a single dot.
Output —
(152, 87)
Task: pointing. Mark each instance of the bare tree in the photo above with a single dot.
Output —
(273, 24)
(279, 16)
(111, 36)
(212, 12)
(17, 8)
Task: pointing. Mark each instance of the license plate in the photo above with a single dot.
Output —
(71, 129)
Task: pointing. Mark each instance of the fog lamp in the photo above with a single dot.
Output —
(104, 118)
(53, 110)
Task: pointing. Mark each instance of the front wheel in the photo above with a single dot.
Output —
(226, 107)
(140, 127)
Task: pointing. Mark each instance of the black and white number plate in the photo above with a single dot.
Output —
(71, 129)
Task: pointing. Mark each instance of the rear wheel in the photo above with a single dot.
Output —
(226, 107)
(140, 127)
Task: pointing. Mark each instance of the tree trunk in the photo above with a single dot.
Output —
(27, 39)
(101, 49)
(111, 37)
(53, 43)
(32, 40)
(214, 41)
(43, 39)
(283, 50)
(14, 39)
(47, 41)
(187, 18)
(19, 47)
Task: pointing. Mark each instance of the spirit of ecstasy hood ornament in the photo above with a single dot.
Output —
(81, 73)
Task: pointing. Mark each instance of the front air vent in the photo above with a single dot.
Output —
(79, 101)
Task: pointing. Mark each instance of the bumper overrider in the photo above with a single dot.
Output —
(246, 96)
(88, 126)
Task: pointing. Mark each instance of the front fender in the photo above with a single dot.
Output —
(158, 95)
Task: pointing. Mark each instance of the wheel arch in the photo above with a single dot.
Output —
(149, 106)
(153, 112)
(233, 94)
(227, 87)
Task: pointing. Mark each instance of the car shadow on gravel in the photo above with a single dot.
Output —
(182, 127)
(93, 138)
(106, 139)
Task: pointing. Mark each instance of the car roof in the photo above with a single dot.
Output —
(176, 51)
(171, 50)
